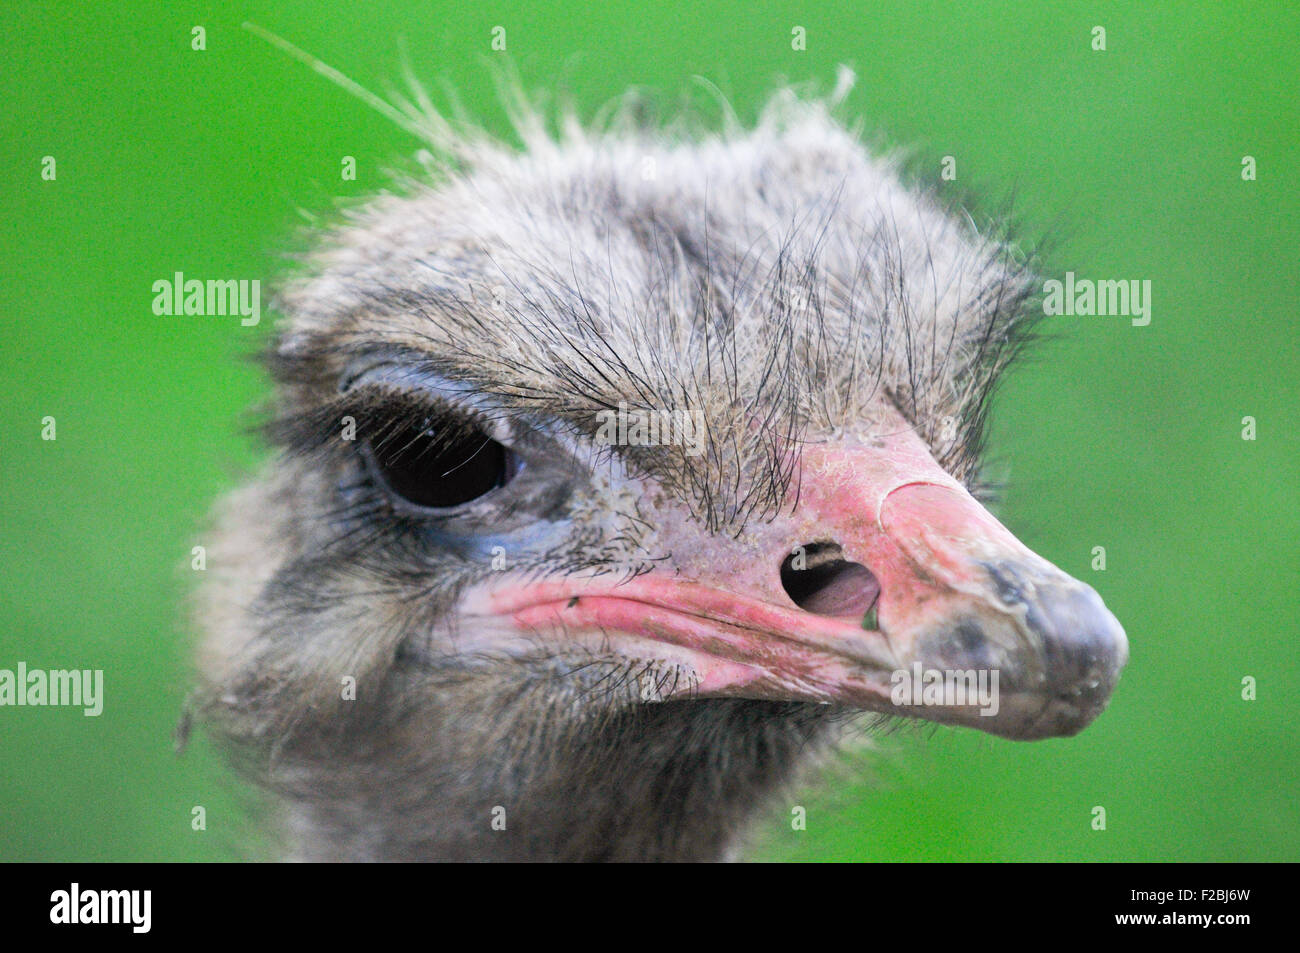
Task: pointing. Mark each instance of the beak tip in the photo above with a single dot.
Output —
(1058, 663)
(1085, 649)
(1084, 646)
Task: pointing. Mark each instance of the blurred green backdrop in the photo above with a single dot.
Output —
(169, 159)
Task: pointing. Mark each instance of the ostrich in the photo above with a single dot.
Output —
(454, 619)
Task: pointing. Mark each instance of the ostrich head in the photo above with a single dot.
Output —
(618, 472)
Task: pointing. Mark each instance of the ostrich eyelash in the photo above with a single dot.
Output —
(367, 414)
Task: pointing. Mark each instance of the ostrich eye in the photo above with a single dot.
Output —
(435, 467)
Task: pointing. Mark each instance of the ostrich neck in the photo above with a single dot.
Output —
(671, 782)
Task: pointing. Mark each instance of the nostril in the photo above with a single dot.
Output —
(818, 579)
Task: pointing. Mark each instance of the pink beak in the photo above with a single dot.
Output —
(888, 588)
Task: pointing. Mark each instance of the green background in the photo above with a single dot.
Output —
(1112, 435)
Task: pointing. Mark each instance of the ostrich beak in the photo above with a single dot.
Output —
(987, 633)
(916, 602)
